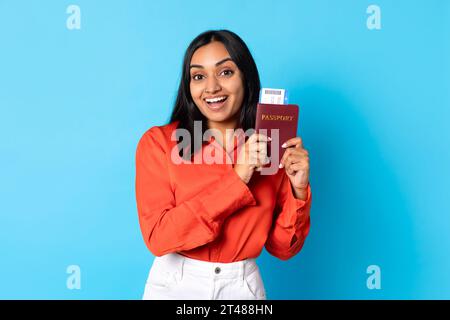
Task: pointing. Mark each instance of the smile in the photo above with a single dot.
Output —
(216, 103)
(217, 99)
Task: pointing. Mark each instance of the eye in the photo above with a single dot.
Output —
(227, 72)
(197, 77)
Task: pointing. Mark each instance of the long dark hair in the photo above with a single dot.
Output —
(185, 110)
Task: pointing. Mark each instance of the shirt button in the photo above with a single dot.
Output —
(217, 270)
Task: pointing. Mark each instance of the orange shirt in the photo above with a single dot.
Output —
(206, 212)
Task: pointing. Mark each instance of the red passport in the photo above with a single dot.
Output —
(278, 121)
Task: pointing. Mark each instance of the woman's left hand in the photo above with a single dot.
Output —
(295, 160)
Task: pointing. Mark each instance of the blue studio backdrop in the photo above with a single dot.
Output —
(81, 81)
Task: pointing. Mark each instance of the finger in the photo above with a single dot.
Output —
(298, 154)
(259, 168)
(303, 153)
(295, 160)
(296, 157)
(262, 153)
(263, 159)
(303, 161)
(290, 167)
(299, 166)
(296, 141)
(258, 159)
(293, 156)
(263, 137)
(294, 167)
(253, 137)
(253, 158)
(258, 146)
(262, 146)
(286, 153)
(258, 164)
(258, 137)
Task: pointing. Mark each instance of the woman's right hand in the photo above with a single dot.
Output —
(252, 156)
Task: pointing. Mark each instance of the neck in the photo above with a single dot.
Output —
(222, 127)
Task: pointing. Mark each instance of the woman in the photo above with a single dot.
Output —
(206, 222)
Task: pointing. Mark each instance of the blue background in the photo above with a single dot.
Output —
(374, 114)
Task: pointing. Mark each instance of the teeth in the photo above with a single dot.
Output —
(215, 99)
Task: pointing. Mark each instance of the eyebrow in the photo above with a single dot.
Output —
(217, 64)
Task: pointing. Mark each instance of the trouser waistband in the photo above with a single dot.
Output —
(181, 264)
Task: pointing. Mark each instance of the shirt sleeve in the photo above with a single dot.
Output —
(291, 222)
(168, 226)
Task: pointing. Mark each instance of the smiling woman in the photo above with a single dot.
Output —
(222, 76)
(205, 222)
(220, 85)
(217, 86)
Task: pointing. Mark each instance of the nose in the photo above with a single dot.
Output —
(212, 85)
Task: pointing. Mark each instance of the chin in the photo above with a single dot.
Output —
(218, 117)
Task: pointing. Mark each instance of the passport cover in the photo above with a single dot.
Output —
(276, 116)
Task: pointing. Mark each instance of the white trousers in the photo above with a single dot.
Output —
(175, 277)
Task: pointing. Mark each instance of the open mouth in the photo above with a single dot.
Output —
(216, 102)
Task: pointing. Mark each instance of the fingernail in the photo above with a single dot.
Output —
(269, 138)
(283, 145)
(280, 166)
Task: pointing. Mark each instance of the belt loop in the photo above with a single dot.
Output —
(242, 270)
(180, 267)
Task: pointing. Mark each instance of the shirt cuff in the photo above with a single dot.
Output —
(299, 203)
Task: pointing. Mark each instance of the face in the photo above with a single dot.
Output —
(216, 85)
